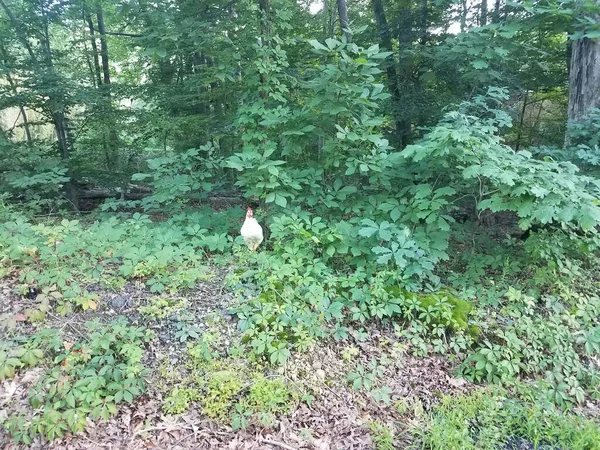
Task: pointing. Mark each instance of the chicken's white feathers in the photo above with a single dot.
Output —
(251, 231)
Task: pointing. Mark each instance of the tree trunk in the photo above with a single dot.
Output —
(483, 13)
(390, 64)
(264, 15)
(342, 8)
(496, 14)
(464, 9)
(424, 21)
(55, 102)
(103, 49)
(522, 121)
(95, 58)
(13, 86)
(406, 65)
(584, 78)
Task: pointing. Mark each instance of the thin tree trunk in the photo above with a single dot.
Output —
(342, 8)
(464, 9)
(390, 69)
(264, 15)
(22, 36)
(57, 111)
(406, 67)
(496, 14)
(326, 20)
(13, 86)
(103, 49)
(112, 147)
(521, 122)
(95, 57)
(483, 13)
(424, 21)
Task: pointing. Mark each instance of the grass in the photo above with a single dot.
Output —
(492, 419)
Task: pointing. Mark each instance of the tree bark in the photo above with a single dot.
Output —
(521, 121)
(483, 13)
(264, 10)
(424, 21)
(584, 78)
(22, 110)
(390, 64)
(103, 49)
(96, 59)
(496, 14)
(342, 8)
(406, 63)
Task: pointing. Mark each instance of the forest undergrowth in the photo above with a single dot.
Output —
(179, 314)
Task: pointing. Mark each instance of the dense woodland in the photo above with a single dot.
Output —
(426, 175)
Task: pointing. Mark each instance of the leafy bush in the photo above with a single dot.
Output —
(557, 341)
(88, 378)
(177, 178)
(167, 256)
(465, 150)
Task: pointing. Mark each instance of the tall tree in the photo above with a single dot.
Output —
(483, 13)
(584, 77)
(390, 64)
(343, 14)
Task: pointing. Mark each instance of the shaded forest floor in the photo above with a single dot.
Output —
(331, 414)
(210, 385)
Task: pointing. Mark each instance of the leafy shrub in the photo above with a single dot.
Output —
(33, 176)
(382, 435)
(90, 378)
(556, 342)
(165, 256)
(226, 390)
(177, 178)
(465, 150)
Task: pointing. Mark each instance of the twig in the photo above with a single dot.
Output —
(184, 438)
(70, 325)
(145, 430)
(117, 33)
(94, 442)
(331, 390)
(277, 444)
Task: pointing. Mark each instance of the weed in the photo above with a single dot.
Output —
(160, 307)
(489, 419)
(382, 435)
(92, 377)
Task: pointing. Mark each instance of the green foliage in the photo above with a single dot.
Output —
(179, 400)
(178, 178)
(166, 256)
(382, 436)
(158, 307)
(226, 390)
(14, 358)
(554, 340)
(491, 419)
(366, 377)
(87, 379)
(468, 151)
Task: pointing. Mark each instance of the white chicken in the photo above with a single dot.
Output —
(251, 231)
